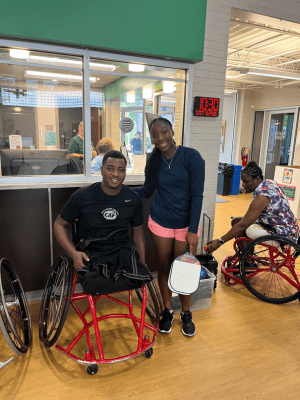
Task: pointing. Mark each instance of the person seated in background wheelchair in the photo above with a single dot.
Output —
(269, 212)
(104, 210)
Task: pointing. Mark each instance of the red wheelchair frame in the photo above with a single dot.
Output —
(54, 309)
(273, 276)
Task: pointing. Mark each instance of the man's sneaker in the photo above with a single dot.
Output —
(188, 326)
(165, 323)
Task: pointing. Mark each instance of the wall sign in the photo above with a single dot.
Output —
(206, 106)
(289, 191)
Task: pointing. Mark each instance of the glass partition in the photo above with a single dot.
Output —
(130, 91)
(42, 109)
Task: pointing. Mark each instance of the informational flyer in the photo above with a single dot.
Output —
(50, 138)
(15, 141)
(289, 191)
(287, 175)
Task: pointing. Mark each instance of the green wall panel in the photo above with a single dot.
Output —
(163, 28)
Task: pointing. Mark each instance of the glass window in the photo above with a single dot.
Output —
(129, 92)
(40, 111)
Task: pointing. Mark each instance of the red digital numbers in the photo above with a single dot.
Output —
(206, 106)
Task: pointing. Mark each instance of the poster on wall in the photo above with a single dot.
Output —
(289, 191)
(15, 141)
(50, 138)
(287, 175)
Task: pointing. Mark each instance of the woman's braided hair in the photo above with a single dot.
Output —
(153, 163)
(253, 170)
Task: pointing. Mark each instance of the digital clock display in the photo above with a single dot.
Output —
(206, 106)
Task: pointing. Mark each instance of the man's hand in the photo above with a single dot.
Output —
(78, 257)
(211, 246)
(192, 240)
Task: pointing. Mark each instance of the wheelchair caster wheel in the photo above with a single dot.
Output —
(148, 353)
(92, 369)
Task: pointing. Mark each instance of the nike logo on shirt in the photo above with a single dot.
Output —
(126, 201)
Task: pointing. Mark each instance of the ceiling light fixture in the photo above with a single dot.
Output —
(273, 74)
(136, 67)
(59, 76)
(72, 62)
(169, 87)
(17, 53)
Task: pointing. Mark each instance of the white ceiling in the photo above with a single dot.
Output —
(262, 45)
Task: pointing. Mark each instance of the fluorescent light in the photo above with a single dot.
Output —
(58, 76)
(168, 87)
(273, 74)
(147, 93)
(72, 62)
(16, 53)
(130, 98)
(136, 67)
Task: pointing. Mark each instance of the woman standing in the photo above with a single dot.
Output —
(178, 175)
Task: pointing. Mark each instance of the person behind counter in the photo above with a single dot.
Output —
(269, 212)
(178, 174)
(103, 146)
(76, 145)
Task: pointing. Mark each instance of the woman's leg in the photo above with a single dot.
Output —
(164, 251)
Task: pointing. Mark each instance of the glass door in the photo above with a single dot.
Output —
(279, 148)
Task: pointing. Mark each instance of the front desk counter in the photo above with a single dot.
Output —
(27, 241)
(288, 178)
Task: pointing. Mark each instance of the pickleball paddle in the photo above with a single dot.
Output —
(184, 274)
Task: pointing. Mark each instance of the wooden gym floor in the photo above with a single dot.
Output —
(243, 349)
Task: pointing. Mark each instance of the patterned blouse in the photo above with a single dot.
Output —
(278, 213)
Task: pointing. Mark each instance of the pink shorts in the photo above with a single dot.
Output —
(178, 234)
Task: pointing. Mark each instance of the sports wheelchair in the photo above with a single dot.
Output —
(60, 292)
(273, 275)
(15, 320)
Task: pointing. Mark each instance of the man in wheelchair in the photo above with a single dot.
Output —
(103, 211)
(269, 212)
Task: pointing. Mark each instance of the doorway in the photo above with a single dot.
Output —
(280, 140)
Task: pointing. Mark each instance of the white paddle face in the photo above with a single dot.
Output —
(184, 274)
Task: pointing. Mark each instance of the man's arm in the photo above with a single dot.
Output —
(255, 209)
(61, 234)
(138, 239)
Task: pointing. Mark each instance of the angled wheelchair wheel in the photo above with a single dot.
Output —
(15, 321)
(56, 300)
(154, 305)
(274, 274)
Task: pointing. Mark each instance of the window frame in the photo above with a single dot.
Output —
(86, 54)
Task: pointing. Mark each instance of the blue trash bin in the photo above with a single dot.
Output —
(236, 179)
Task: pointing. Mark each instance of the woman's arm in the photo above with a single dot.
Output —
(256, 207)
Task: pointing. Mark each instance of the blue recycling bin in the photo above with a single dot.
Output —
(236, 179)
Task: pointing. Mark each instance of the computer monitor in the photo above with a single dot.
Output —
(24, 162)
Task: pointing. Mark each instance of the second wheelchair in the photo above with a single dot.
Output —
(273, 275)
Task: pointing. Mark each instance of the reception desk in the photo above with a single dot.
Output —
(288, 178)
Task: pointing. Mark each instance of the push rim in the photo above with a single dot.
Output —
(275, 277)
(15, 320)
(154, 304)
(55, 301)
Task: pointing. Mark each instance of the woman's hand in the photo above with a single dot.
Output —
(192, 240)
(211, 246)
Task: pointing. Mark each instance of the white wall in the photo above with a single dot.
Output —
(229, 118)
(209, 78)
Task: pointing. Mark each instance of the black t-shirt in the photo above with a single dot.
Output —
(99, 214)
